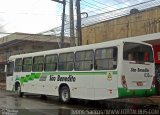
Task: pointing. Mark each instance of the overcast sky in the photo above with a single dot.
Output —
(29, 16)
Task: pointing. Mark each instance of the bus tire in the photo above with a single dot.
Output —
(19, 93)
(64, 94)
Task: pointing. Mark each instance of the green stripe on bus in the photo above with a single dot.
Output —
(32, 76)
(123, 92)
(28, 77)
(35, 75)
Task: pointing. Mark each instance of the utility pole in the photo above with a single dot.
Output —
(72, 38)
(63, 19)
(79, 32)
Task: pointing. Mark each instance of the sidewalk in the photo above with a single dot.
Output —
(2, 85)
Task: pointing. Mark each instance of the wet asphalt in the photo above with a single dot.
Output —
(31, 104)
(11, 104)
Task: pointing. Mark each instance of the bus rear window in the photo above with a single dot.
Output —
(137, 52)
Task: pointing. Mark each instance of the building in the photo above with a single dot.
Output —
(135, 24)
(20, 43)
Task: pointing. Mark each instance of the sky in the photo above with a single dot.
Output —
(29, 16)
(36, 16)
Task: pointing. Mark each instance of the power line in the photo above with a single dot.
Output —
(106, 14)
(125, 7)
(107, 6)
(93, 6)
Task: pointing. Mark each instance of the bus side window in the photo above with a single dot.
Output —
(18, 65)
(27, 64)
(106, 58)
(51, 62)
(84, 60)
(66, 61)
(38, 62)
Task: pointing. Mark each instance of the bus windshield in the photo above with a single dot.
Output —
(137, 52)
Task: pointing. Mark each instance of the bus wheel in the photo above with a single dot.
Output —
(64, 94)
(19, 93)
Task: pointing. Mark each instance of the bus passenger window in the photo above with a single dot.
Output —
(84, 60)
(18, 65)
(38, 62)
(106, 59)
(27, 64)
(51, 62)
(66, 61)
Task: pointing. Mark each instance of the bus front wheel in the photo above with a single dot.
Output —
(64, 94)
(19, 93)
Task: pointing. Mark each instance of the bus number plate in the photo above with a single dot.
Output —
(139, 83)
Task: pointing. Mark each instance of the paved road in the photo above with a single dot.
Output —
(11, 104)
(32, 105)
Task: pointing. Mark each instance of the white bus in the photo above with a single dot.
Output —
(113, 69)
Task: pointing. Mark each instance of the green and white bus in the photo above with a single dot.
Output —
(113, 69)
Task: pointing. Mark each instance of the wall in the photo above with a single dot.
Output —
(26, 47)
(142, 23)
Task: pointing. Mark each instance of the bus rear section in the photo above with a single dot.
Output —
(138, 71)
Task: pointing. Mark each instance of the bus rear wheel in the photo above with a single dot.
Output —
(18, 90)
(64, 94)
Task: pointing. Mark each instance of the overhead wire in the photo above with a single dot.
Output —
(113, 6)
(93, 6)
(105, 15)
(124, 7)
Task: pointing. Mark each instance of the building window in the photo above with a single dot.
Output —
(38, 63)
(27, 64)
(84, 60)
(66, 61)
(51, 62)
